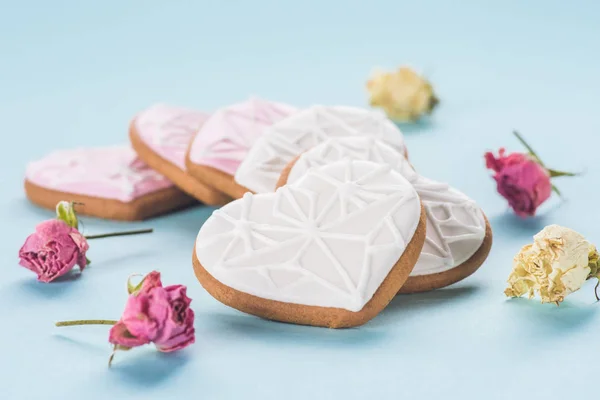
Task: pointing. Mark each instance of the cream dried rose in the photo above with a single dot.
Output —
(404, 95)
(557, 264)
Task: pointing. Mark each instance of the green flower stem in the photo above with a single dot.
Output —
(87, 322)
(528, 147)
(112, 356)
(555, 189)
(124, 233)
(553, 173)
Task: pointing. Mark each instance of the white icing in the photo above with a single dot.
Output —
(329, 239)
(455, 224)
(283, 141)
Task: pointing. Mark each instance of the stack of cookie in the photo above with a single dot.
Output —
(325, 219)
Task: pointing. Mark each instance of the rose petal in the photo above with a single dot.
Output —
(181, 337)
(146, 314)
(119, 335)
(179, 331)
(151, 281)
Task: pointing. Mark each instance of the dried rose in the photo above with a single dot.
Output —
(156, 314)
(522, 179)
(404, 95)
(153, 314)
(558, 262)
(57, 246)
(53, 250)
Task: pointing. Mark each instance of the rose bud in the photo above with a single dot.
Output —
(65, 211)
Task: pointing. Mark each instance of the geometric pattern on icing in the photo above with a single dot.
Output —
(168, 130)
(260, 170)
(329, 239)
(455, 224)
(224, 140)
(108, 173)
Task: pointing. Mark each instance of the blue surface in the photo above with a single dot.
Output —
(73, 73)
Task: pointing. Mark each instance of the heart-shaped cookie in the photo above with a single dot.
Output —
(224, 140)
(331, 249)
(108, 182)
(283, 141)
(459, 236)
(160, 135)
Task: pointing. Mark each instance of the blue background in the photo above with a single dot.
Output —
(72, 73)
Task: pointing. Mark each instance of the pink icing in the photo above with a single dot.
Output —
(225, 138)
(168, 130)
(108, 173)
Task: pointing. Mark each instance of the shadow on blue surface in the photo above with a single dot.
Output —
(420, 126)
(550, 319)
(58, 288)
(147, 367)
(143, 367)
(248, 327)
(122, 261)
(84, 345)
(508, 225)
(417, 303)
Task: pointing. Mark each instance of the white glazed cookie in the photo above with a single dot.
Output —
(327, 242)
(283, 141)
(456, 226)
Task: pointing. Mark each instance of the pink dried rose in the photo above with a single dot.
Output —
(57, 246)
(522, 179)
(53, 250)
(156, 314)
(153, 314)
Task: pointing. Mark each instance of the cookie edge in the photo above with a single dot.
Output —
(147, 206)
(186, 182)
(425, 283)
(330, 317)
(218, 179)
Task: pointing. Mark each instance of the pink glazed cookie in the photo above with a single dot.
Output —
(224, 140)
(107, 182)
(161, 135)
